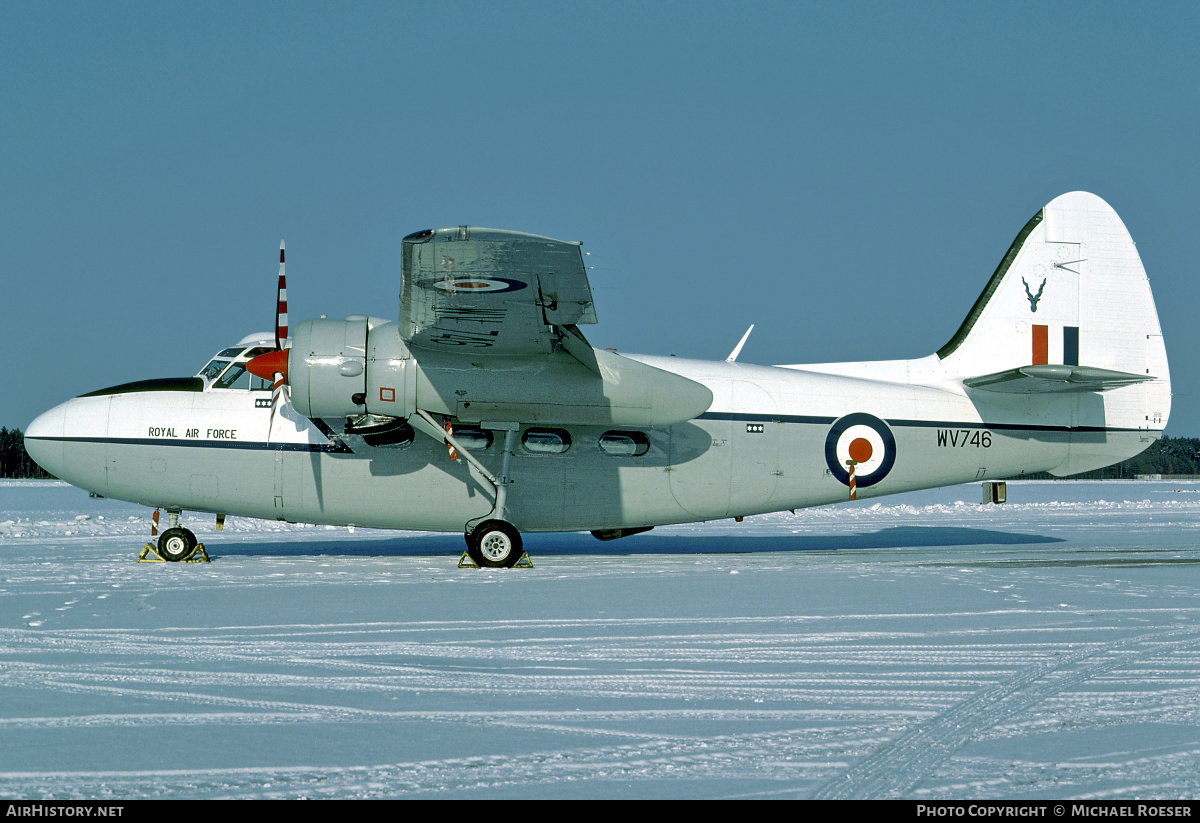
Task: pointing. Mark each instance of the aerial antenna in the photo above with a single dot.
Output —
(733, 355)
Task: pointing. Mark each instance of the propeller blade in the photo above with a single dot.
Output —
(273, 366)
(281, 317)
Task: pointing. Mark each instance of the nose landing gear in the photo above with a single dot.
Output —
(176, 544)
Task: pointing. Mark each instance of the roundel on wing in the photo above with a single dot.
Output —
(867, 441)
(479, 284)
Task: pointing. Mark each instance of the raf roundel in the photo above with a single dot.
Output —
(868, 442)
(479, 284)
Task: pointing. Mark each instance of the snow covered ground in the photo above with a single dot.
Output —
(921, 646)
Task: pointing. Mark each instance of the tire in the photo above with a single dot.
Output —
(176, 544)
(495, 544)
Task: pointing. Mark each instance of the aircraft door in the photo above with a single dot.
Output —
(279, 474)
(699, 467)
(754, 463)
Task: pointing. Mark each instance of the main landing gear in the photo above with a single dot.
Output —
(495, 544)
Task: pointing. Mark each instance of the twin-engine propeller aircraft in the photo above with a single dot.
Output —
(483, 407)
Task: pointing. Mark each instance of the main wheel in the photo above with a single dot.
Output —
(495, 544)
(176, 544)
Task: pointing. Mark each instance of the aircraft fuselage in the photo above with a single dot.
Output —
(764, 445)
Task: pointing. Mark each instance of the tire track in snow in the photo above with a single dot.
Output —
(716, 766)
(899, 766)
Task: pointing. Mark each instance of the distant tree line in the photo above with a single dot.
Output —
(1173, 455)
(14, 460)
(1167, 455)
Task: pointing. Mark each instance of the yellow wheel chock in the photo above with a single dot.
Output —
(150, 555)
(465, 562)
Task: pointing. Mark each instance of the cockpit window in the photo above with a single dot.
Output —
(232, 362)
(230, 378)
(214, 368)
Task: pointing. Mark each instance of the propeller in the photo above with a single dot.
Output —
(281, 318)
(273, 365)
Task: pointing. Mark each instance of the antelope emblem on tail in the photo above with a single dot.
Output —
(1034, 298)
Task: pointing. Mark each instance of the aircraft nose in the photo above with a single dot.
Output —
(43, 440)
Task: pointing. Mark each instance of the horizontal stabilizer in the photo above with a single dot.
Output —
(1041, 379)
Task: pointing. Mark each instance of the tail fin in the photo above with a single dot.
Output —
(1068, 318)
(1068, 309)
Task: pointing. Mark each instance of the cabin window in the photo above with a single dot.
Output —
(397, 435)
(624, 444)
(472, 438)
(546, 441)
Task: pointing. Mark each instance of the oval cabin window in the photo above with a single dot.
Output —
(546, 441)
(624, 444)
(472, 438)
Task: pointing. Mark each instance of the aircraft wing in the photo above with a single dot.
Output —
(491, 292)
(1041, 379)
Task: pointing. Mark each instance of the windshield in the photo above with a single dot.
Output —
(228, 369)
(214, 368)
(229, 379)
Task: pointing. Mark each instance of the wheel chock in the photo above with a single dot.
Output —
(465, 562)
(150, 554)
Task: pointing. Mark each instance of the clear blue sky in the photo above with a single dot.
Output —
(845, 176)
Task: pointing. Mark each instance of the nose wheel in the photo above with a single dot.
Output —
(495, 544)
(177, 544)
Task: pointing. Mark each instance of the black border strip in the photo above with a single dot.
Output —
(947, 424)
(182, 384)
(338, 447)
(250, 445)
(980, 302)
(927, 424)
(766, 418)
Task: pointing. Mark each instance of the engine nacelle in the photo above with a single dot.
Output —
(327, 367)
(344, 368)
(391, 373)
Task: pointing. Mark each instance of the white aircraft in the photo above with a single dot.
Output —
(483, 408)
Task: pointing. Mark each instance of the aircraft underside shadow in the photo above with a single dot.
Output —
(580, 544)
